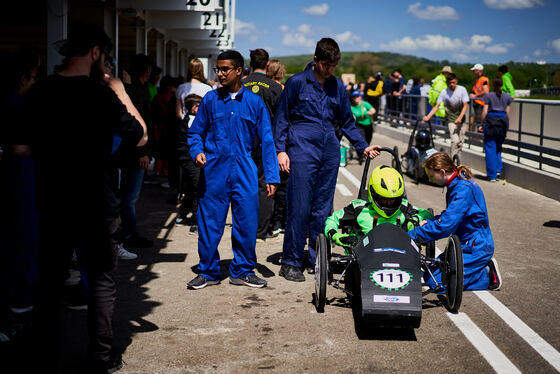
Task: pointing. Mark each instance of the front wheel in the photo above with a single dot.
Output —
(321, 272)
(455, 276)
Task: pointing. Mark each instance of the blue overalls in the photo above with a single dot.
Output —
(224, 130)
(467, 217)
(305, 129)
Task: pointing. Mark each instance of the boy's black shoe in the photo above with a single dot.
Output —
(291, 273)
(200, 282)
(251, 281)
(495, 276)
(193, 229)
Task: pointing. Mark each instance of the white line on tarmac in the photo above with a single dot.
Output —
(355, 181)
(343, 190)
(522, 329)
(499, 362)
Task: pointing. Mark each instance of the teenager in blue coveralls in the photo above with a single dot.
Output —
(467, 217)
(220, 140)
(313, 114)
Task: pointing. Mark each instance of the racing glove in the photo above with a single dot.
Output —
(344, 240)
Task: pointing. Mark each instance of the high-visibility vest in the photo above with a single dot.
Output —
(477, 88)
(439, 84)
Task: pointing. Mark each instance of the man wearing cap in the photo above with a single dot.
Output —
(439, 84)
(481, 87)
(91, 111)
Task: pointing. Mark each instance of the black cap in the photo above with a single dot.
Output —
(82, 38)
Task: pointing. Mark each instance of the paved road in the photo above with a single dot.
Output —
(169, 329)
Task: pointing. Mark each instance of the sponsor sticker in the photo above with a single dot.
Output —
(401, 251)
(365, 241)
(391, 265)
(391, 279)
(391, 299)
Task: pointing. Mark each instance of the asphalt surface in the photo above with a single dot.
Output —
(164, 328)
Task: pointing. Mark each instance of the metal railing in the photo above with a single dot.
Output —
(534, 132)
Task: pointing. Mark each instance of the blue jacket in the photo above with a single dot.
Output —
(303, 102)
(226, 128)
(467, 217)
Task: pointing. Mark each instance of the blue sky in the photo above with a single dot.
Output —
(485, 31)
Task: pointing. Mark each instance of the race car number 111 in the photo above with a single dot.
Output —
(391, 279)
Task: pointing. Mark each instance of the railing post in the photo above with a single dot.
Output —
(519, 133)
(541, 143)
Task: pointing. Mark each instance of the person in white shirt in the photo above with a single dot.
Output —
(196, 84)
(456, 101)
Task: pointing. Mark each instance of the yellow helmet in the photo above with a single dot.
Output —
(385, 183)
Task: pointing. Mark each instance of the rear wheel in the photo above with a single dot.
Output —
(454, 276)
(321, 272)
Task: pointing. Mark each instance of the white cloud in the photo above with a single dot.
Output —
(347, 37)
(498, 48)
(283, 28)
(365, 45)
(433, 13)
(304, 28)
(297, 40)
(542, 62)
(555, 44)
(541, 52)
(476, 43)
(244, 28)
(460, 57)
(316, 10)
(429, 42)
(512, 4)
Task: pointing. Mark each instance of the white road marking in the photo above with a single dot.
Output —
(540, 345)
(355, 181)
(343, 190)
(499, 362)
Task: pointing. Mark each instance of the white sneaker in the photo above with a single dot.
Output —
(124, 254)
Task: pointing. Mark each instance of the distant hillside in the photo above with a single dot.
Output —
(364, 64)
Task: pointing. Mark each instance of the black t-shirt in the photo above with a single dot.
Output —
(70, 125)
(267, 89)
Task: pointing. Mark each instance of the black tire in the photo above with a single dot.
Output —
(393, 162)
(417, 173)
(431, 246)
(321, 272)
(455, 276)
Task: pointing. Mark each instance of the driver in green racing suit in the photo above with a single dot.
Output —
(386, 205)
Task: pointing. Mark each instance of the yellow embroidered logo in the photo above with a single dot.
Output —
(255, 89)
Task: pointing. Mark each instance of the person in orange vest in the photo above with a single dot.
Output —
(480, 88)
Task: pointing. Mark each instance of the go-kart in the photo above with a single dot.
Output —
(383, 271)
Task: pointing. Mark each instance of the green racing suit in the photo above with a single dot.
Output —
(360, 215)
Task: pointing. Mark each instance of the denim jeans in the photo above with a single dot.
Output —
(131, 185)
